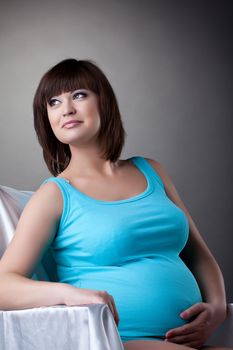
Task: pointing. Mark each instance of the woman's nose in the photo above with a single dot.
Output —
(68, 108)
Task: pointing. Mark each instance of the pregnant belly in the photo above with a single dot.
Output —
(149, 293)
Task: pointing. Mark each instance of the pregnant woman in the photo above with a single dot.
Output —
(119, 232)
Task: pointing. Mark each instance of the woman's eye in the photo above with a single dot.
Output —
(78, 95)
(53, 102)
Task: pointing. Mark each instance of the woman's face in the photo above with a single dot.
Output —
(74, 116)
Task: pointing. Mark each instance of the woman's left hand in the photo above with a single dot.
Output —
(204, 319)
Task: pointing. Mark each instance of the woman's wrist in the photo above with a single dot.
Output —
(64, 292)
(219, 310)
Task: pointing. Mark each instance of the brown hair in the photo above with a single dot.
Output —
(69, 75)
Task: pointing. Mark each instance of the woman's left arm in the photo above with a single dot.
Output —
(207, 316)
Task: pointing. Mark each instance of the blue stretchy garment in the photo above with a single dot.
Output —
(130, 248)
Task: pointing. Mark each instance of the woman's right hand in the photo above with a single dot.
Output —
(81, 296)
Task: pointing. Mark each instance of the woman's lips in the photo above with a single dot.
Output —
(71, 124)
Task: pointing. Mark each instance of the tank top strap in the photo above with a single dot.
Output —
(148, 169)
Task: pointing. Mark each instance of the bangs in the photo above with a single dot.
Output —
(68, 78)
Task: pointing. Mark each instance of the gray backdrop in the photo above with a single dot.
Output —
(170, 64)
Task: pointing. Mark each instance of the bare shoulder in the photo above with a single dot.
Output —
(48, 196)
(169, 186)
(162, 172)
(49, 190)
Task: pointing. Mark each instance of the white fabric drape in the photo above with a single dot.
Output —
(86, 327)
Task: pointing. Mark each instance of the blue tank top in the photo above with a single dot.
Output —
(130, 248)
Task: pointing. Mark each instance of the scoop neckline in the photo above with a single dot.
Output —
(147, 191)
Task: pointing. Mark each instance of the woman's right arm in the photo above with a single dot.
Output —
(34, 233)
